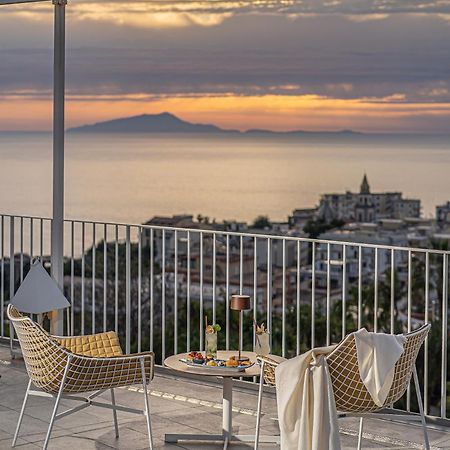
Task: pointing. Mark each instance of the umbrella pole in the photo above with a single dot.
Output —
(57, 226)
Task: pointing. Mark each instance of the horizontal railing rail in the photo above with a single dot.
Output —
(242, 233)
(154, 285)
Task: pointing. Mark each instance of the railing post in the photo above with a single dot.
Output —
(11, 277)
(227, 295)
(444, 336)
(298, 296)
(283, 295)
(11, 258)
(83, 267)
(344, 291)
(139, 293)
(269, 290)
(93, 279)
(2, 277)
(313, 295)
(328, 319)
(128, 292)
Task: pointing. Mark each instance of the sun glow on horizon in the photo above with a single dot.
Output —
(272, 112)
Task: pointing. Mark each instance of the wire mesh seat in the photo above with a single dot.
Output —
(350, 393)
(60, 366)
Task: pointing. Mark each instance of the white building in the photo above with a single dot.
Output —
(443, 214)
(366, 206)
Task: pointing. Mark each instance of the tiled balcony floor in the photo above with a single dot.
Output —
(178, 405)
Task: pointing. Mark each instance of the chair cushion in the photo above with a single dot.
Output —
(103, 345)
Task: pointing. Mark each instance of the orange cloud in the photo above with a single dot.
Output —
(135, 14)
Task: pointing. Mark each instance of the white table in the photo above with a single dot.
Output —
(173, 362)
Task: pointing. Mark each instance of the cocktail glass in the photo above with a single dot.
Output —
(262, 344)
(211, 344)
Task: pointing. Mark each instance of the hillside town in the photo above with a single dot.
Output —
(377, 218)
(225, 259)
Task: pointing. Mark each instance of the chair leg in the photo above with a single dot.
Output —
(147, 408)
(258, 410)
(422, 414)
(360, 435)
(19, 422)
(113, 403)
(55, 408)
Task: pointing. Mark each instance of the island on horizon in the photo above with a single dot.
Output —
(169, 123)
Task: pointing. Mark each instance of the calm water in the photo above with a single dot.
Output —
(131, 178)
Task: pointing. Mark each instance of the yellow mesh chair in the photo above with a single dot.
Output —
(63, 366)
(351, 395)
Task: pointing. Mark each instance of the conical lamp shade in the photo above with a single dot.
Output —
(39, 292)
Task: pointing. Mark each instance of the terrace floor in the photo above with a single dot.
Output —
(179, 405)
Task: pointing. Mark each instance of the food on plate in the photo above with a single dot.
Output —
(232, 362)
(196, 357)
(191, 356)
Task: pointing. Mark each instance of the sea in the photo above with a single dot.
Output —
(132, 177)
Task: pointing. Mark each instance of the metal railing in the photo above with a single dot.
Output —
(154, 285)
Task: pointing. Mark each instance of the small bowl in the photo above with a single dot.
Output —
(198, 361)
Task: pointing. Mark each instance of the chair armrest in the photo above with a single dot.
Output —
(86, 373)
(96, 345)
(267, 360)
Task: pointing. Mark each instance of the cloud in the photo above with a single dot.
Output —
(177, 14)
(362, 7)
(147, 53)
(367, 17)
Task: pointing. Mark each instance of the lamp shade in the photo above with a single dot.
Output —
(240, 302)
(39, 293)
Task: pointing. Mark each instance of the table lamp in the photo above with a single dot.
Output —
(240, 303)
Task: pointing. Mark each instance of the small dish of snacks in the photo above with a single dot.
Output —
(198, 360)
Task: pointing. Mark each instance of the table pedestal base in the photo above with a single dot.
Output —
(227, 436)
(173, 438)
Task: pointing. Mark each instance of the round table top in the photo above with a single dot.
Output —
(173, 362)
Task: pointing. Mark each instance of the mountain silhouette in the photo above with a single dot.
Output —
(150, 123)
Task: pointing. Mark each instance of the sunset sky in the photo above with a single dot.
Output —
(367, 65)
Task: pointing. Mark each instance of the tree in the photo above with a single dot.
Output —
(316, 227)
(261, 222)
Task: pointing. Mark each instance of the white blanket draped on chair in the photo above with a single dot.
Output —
(306, 406)
(376, 364)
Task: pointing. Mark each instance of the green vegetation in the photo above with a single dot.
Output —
(261, 223)
(316, 227)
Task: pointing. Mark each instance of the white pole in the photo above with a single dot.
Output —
(57, 230)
